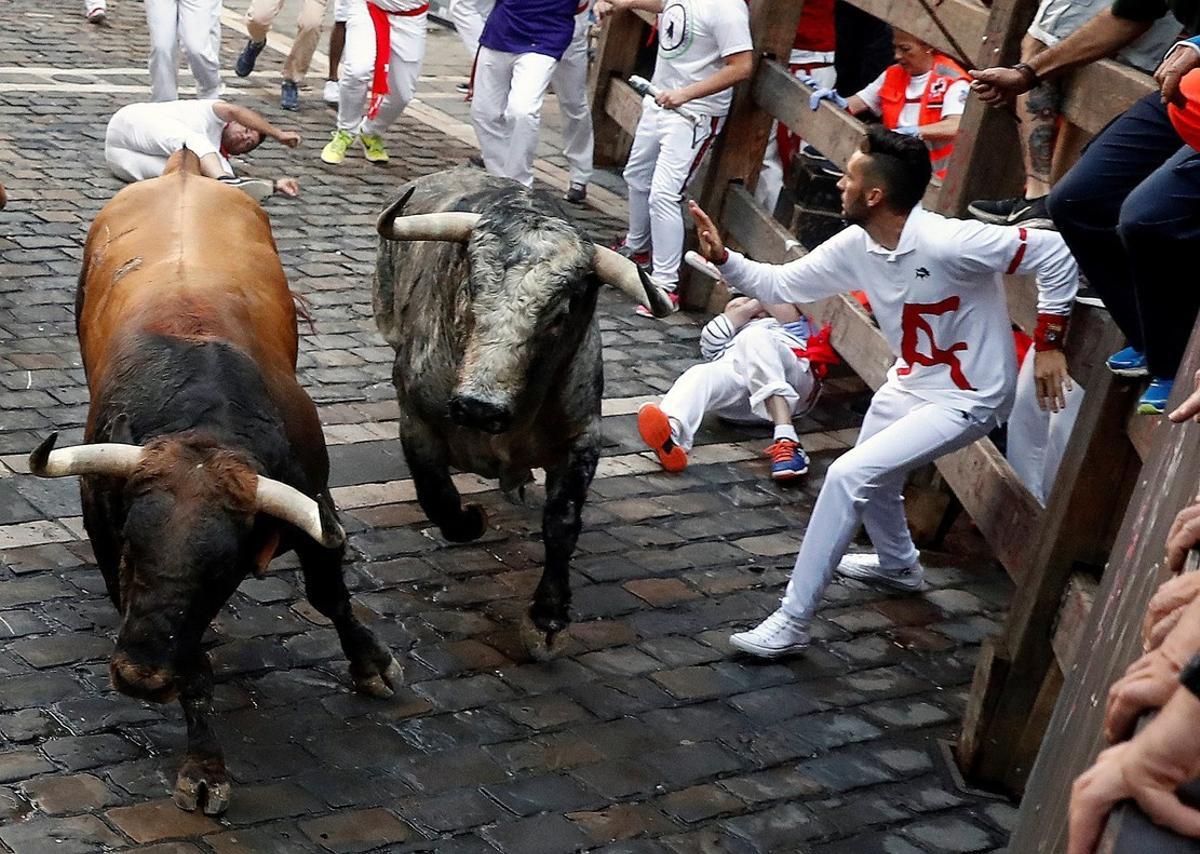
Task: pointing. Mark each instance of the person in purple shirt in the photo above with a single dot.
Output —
(521, 44)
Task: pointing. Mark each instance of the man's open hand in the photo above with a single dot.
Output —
(1053, 381)
(288, 186)
(711, 245)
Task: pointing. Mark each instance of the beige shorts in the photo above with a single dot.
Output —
(1057, 19)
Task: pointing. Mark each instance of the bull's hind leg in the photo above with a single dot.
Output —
(436, 493)
(374, 670)
(566, 492)
(203, 781)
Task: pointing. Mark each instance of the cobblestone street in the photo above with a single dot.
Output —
(646, 735)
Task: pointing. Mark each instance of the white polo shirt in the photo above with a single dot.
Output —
(938, 298)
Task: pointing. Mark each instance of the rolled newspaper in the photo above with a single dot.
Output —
(644, 87)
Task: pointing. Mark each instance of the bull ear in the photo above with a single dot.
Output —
(119, 431)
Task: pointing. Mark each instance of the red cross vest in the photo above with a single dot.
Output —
(942, 75)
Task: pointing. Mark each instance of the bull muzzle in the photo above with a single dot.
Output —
(154, 683)
(480, 413)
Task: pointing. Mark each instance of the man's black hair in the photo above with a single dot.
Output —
(900, 163)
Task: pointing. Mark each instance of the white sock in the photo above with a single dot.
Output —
(786, 431)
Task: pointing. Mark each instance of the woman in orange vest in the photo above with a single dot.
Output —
(922, 95)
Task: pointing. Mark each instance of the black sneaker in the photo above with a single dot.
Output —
(248, 57)
(1030, 213)
(1086, 295)
(289, 95)
(576, 193)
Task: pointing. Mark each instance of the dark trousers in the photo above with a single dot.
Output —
(1130, 212)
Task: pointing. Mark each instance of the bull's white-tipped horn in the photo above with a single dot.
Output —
(627, 277)
(105, 458)
(454, 226)
(293, 506)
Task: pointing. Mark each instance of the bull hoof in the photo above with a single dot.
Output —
(203, 783)
(541, 645)
(471, 525)
(380, 682)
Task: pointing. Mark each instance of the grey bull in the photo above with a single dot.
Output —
(488, 293)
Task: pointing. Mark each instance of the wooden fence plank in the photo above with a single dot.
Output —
(1167, 484)
(1098, 93)
(616, 54)
(966, 21)
(623, 105)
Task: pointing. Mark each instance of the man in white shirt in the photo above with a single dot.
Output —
(936, 289)
(570, 84)
(704, 49)
(140, 138)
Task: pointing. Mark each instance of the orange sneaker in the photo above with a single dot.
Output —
(655, 429)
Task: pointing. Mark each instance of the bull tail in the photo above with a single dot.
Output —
(304, 310)
(384, 224)
(183, 160)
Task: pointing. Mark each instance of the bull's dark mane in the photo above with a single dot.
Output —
(168, 386)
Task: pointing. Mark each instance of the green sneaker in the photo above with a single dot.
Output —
(334, 151)
(372, 144)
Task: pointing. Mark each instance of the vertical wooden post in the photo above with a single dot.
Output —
(739, 151)
(616, 55)
(997, 746)
(987, 155)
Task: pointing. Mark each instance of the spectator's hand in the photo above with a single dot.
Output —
(1190, 408)
(711, 245)
(741, 310)
(997, 86)
(1167, 606)
(604, 8)
(908, 130)
(831, 95)
(1148, 769)
(1183, 536)
(1178, 63)
(287, 186)
(672, 98)
(289, 138)
(1151, 680)
(1053, 381)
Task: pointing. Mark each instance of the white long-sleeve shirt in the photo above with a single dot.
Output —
(938, 298)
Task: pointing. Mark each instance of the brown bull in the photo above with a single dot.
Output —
(205, 456)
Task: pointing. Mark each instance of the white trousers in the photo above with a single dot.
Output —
(197, 25)
(570, 82)
(900, 432)
(506, 110)
(758, 365)
(1037, 440)
(358, 67)
(770, 177)
(468, 17)
(667, 150)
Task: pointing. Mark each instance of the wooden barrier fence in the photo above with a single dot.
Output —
(1054, 554)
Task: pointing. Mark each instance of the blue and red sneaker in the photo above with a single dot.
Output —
(788, 459)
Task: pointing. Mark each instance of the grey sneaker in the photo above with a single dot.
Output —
(289, 95)
(866, 568)
(778, 635)
(256, 188)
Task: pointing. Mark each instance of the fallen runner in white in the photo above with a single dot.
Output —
(936, 289)
(141, 137)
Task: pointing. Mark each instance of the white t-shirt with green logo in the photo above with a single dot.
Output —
(694, 38)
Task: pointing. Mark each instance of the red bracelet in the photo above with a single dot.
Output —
(1051, 332)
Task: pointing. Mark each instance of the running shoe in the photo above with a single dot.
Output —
(249, 55)
(866, 568)
(289, 95)
(335, 150)
(1154, 399)
(655, 429)
(778, 635)
(373, 147)
(1128, 363)
(1031, 213)
(788, 459)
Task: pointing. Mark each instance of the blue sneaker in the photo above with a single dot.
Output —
(1128, 363)
(289, 95)
(788, 459)
(1154, 399)
(248, 56)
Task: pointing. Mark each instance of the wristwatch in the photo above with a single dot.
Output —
(1189, 676)
(1031, 76)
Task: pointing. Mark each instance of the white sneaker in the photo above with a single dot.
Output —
(95, 11)
(698, 262)
(866, 568)
(778, 635)
(330, 92)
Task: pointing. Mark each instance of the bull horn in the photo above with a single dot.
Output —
(453, 226)
(293, 506)
(105, 458)
(630, 279)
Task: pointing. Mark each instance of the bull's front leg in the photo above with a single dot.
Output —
(566, 492)
(429, 466)
(372, 667)
(202, 781)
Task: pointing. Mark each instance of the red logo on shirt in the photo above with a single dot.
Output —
(912, 322)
